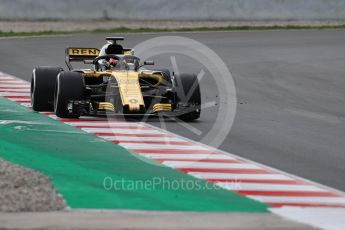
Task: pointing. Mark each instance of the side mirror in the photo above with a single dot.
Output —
(149, 62)
(145, 63)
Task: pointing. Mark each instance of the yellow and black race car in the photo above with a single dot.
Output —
(116, 83)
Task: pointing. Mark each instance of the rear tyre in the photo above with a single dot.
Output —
(188, 96)
(70, 86)
(42, 88)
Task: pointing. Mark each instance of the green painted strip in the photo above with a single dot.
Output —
(78, 162)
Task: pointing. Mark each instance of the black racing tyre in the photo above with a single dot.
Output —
(70, 86)
(188, 93)
(42, 87)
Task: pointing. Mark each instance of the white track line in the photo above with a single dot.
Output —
(133, 138)
(232, 176)
(311, 200)
(14, 82)
(273, 187)
(4, 94)
(194, 157)
(125, 131)
(110, 123)
(161, 146)
(19, 90)
(202, 165)
(14, 86)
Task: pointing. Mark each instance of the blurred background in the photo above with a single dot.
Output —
(69, 15)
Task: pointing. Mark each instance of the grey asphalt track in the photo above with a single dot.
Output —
(290, 89)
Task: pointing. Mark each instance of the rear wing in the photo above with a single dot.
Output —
(78, 54)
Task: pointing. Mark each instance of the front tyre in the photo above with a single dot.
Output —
(42, 87)
(188, 96)
(70, 87)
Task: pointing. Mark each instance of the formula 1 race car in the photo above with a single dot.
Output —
(116, 84)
